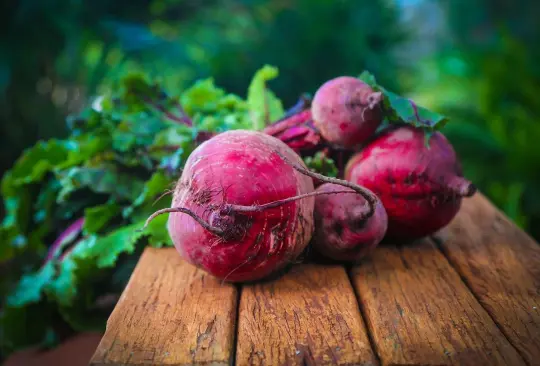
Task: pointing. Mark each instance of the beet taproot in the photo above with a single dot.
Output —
(342, 230)
(346, 111)
(241, 168)
(421, 186)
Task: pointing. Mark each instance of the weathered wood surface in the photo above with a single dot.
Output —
(470, 299)
(170, 314)
(419, 312)
(501, 265)
(308, 317)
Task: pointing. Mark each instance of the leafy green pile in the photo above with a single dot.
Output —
(70, 239)
(88, 194)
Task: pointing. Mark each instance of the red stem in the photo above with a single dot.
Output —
(184, 119)
(284, 124)
(72, 230)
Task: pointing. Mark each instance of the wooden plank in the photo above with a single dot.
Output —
(501, 265)
(308, 317)
(419, 312)
(170, 314)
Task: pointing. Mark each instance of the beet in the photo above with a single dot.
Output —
(420, 187)
(241, 168)
(342, 231)
(243, 206)
(346, 111)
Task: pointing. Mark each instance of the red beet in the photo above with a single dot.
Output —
(221, 226)
(346, 111)
(421, 188)
(243, 207)
(342, 231)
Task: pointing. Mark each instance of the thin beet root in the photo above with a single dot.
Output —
(229, 210)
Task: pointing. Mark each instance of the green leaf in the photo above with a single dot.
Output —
(38, 160)
(97, 217)
(17, 220)
(87, 257)
(107, 248)
(202, 97)
(139, 130)
(264, 106)
(154, 187)
(157, 186)
(84, 148)
(157, 231)
(45, 201)
(368, 78)
(409, 112)
(64, 287)
(137, 92)
(399, 109)
(104, 179)
(31, 286)
(321, 164)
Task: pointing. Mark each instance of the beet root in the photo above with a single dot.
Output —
(346, 111)
(342, 231)
(420, 187)
(220, 224)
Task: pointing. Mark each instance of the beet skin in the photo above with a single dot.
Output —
(241, 168)
(342, 232)
(421, 188)
(346, 111)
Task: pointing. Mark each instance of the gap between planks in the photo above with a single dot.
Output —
(309, 316)
(419, 312)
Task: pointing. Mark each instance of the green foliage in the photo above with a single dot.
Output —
(95, 189)
(263, 104)
(321, 164)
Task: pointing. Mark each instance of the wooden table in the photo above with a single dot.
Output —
(470, 296)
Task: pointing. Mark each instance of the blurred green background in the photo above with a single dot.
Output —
(472, 60)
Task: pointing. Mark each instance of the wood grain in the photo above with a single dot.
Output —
(501, 265)
(170, 314)
(308, 317)
(419, 312)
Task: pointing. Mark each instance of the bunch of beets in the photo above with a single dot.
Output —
(246, 205)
